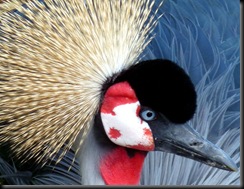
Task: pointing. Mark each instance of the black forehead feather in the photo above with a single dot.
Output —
(163, 86)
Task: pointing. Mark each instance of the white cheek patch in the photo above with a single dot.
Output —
(126, 128)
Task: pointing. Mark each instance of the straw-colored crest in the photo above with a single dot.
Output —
(53, 63)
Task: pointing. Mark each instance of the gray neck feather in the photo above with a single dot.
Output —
(89, 157)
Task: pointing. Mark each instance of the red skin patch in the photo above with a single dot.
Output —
(138, 112)
(114, 133)
(147, 132)
(117, 168)
(116, 95)
(142, 147)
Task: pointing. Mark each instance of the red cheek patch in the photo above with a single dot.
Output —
(116, 95)
(114, 133)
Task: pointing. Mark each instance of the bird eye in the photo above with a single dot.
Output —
(148, 115)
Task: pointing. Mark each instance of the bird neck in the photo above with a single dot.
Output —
(122, 166)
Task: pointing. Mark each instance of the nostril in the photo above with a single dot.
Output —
(196, 143)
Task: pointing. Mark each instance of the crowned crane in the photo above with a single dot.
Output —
(140, 107)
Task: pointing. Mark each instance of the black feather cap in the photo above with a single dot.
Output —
(163, 86)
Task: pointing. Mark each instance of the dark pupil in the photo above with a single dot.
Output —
(149, 114)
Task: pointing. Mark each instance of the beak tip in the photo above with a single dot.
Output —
(233, 168)
(228, 164)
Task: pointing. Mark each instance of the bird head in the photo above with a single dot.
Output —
(147, 108)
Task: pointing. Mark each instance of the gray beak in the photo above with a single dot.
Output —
(183, 140)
